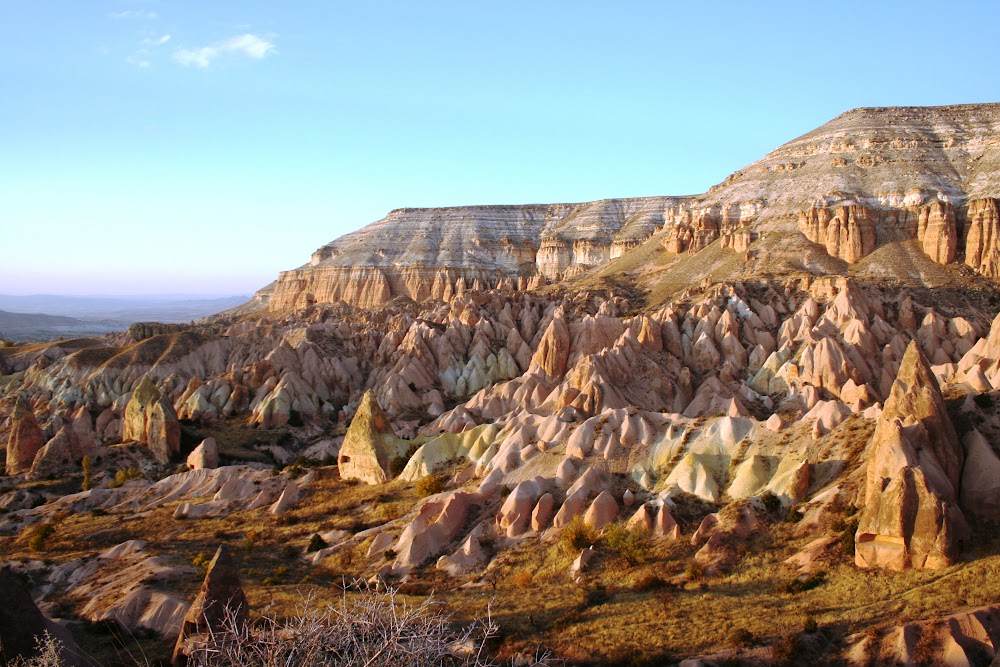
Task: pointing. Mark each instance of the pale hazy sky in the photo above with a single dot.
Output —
(201, 147)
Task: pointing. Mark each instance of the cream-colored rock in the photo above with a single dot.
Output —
(205, 455)
(603, 511)
(370, 445)
(150, 418)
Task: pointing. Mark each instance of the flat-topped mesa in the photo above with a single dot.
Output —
(436, 253)
(867, 177)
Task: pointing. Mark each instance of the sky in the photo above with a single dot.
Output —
(157, 147)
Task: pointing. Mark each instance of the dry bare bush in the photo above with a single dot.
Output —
(371, 629)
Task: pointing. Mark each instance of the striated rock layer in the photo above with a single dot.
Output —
(867, 177)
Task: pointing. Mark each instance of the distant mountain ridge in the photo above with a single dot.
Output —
(127, 309)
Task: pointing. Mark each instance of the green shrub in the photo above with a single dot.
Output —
(396, 466)
(389, 554)
(576, 536)
(316, 543)
(429, 486)
(201, 559)
(632, 544)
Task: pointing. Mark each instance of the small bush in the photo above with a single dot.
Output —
(125, 475)
(814, 580)
(87, 480)
(771, 502)
(650, 582)
(523, 579)
(847, 538)
(810, 626)
(48, 653)
(694, 570)
(577, 536)
(742, 638)
(396, 466)
(316, 543)
(595, 594)
(794, 515)
(201, 560)
(429, 486)
(251, 539)
(632, 544)
(786, 651)
(38, 535)
(389, 555)
(97, 511)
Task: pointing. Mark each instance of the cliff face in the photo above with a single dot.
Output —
(438, 253)
(867, 177)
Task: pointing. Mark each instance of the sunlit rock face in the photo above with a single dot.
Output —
(867, 176)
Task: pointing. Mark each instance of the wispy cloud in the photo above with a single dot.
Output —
(142, 14)
(138, 61)
(156, 41)
(247, 45)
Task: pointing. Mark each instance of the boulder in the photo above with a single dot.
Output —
(204, 456)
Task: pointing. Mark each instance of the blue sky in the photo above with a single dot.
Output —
(202, 147)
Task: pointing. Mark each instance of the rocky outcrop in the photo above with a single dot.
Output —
(847, 232)
(220, 599)
(150, 419)
(936, 232)
(982, 241)
(370, 446)
(25, 439)
(911, 516)
(22, 625)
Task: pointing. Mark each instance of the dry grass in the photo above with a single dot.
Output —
(646, 609)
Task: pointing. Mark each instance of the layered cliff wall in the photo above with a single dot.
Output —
(867, 177)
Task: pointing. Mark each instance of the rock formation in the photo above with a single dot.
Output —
(910, 516)
(370, 447)
(840, 185)
(151, 419)
(25, 439)
(22, 625)
(220, 601)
